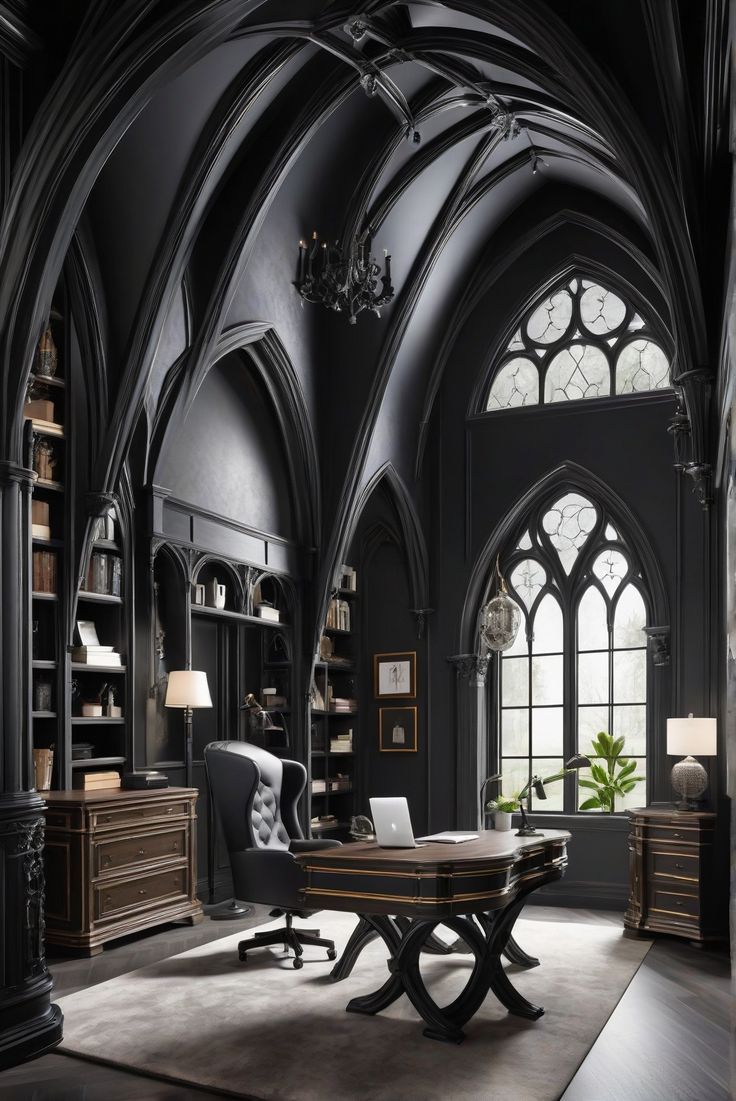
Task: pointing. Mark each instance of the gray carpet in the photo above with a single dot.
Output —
(263, 1030)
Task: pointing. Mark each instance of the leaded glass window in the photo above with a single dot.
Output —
(579, 663)
(582, 341)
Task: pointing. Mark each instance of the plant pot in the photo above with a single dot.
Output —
(502, 820)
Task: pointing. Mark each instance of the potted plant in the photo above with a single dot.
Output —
(502, 808)
(614, 777)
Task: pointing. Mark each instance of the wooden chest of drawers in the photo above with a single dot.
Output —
(674, 876)
(118, 862)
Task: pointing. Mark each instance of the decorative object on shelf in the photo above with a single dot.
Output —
(574, 763)
(44, 458)
(216, 594)
(266, 611)
(348, 579)
(344, 281)
(112, 710)
(91, 710)
(144, 781)
(198, 595)
(90, 652)
(325, 648)
(188, 689)
(42, 694)
(616, 779)
(395, 675)
(260, 724)
(397, 727)
(689, 736)
(39, 409)
(43, 765)
(48, 356)
(361, 828)
(499, 618)
(82, 751)
(96, 781)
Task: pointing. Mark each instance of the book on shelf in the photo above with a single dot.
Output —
(40, 531)
(40, 520)
(40, 410)
(44, 571)
(95, 781)
(340, 783)
(265, 611)
(96, 655)
(104, 574)
(343, 704)
(348, 579)
(338, 615)
(318, 786)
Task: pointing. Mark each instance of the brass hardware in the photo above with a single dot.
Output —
(141, 892)
(141, 852)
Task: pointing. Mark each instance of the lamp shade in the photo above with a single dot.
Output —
(187, 688)
(691, 737)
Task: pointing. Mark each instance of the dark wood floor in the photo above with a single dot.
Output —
(667, 1040)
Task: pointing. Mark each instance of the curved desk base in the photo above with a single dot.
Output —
(487, 937)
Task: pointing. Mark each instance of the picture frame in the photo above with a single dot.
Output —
(395, 675)
(397, 729)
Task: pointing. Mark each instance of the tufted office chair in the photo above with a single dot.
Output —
(256, 795)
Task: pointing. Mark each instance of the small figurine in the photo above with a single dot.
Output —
(47, 354)
(44, 459)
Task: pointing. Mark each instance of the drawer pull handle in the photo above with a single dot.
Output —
(676, 835)
(108, 859)
(141, 892)
(169, 810)
(175, 846)
(107, 818)
(108, 898)
(141, 852)
(679, 866)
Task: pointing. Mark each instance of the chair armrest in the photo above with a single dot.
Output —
(313, 844)
(270, 876)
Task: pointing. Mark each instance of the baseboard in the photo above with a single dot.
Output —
(586, 894)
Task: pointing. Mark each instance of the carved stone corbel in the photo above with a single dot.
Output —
(658, 644)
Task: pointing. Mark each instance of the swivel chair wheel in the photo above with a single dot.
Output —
(242, 956)
(331, 954)
(298, 963)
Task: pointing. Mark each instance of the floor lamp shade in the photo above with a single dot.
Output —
(188, 688)
(686, 737)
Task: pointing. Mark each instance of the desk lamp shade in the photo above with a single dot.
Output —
(188, 688)
(687, 737)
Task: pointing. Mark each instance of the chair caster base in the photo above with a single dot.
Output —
(298, 963)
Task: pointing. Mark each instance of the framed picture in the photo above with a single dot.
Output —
(395, 675)
(397, 729)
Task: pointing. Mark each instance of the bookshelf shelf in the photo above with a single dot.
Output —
(43, 714)
(42, 663)
(48, 380)
(99, 598)
(53, 543)
(83, 667)
(96, 720)
(98, 762)
(335, 631)
(48, 428)
(47, 484)
(224, 613)
(44, 596)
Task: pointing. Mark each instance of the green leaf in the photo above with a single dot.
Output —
(588, 784)
(627, 768)
(599, 774)
(617, 746)
(590, 804)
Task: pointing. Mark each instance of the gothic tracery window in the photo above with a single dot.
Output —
(581, 341)
(579, 663)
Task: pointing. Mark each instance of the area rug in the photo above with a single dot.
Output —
(262, 1030)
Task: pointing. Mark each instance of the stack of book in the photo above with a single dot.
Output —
(96, 655)
(338, 615)
(96, 781)
(318, 786)
(340, 783)
(266, 611)
(44, 571)
(342, 743)
(104, 574)
(348, 579)
(343, 705)
(40, 522)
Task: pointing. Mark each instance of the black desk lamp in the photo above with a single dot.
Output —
(488, 780)
(536, 782)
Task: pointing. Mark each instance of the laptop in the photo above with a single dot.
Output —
(392, 824)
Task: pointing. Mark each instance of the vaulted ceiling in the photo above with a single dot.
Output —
(181, 150)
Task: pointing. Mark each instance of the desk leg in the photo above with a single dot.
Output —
(361, 936)
(498, 931)
(393, 988)
(515, 954)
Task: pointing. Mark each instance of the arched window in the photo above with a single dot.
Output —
(578, 665)
(581, 341)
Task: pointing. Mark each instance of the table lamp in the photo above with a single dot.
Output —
(684, 738)
(188, 688)
(483, 813)
(571, 765)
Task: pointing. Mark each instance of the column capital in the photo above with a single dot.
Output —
(471, 667)
(11, 472)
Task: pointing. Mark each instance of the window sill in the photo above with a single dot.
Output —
(589, 821)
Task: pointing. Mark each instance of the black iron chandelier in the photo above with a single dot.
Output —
(344, 281)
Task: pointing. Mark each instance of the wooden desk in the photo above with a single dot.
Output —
(476, 889)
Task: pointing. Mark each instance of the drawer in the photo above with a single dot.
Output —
(676, 865)
(142, 811)
(139, 893)
(675, 835)
(146, 848)
(673, 903)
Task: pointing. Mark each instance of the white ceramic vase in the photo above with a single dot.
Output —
(502, 820)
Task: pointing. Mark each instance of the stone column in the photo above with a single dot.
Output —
(29, 1023)
(471, 728)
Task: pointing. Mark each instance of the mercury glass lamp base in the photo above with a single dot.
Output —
(690, 780)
